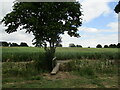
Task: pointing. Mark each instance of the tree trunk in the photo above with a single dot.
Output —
(49, 55)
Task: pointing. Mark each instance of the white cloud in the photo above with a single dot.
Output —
(94, 8)
(86, 29)
(90, 40)
(6, 1)
(113, 26)
(5, 7)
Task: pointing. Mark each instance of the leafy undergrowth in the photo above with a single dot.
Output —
(53, 81)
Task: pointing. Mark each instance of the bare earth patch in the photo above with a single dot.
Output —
(60, 75)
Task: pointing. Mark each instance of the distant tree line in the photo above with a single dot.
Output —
(109, 46)
(73, 45)
(22, 44)
(6, 44)
(98, 46)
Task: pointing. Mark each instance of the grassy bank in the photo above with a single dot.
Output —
(34, 53)
(80, 74)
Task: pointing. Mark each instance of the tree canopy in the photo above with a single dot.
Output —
(4, 44)
(13, 45)
(112, 46)
(106, 46)
(71, 45)
(117, 8)
(23, 44)
(99, 46)
(46, 20)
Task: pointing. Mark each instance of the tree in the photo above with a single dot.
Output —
(23, 44)
(47, 21)
(106, 46)
(38, 45)
(59, 45)
(78, 46)
(117, 8)
(14, 45)
(4, 44)
(112, 46)
(118, 45)
(98, 46)
(71, 45)
(0, 44)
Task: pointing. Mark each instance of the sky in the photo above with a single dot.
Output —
(99, 26)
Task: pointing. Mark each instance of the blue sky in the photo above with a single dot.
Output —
(100, 25)
(101, 21)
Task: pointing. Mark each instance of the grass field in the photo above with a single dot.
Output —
(89, 68)
(100, 81)
(34, 53)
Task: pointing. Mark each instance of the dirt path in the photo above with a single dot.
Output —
(60, 75)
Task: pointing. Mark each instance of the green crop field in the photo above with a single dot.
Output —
(34, 53)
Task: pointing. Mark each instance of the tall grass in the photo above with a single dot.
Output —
(18, 69)
(33, 53)
(93, 67)
(17, 54)
(24, 69)
(87, 53)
